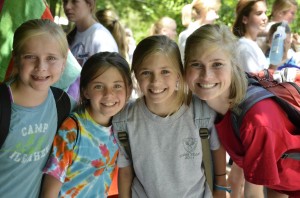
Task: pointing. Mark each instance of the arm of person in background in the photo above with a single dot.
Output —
(125, 178)
(51, 187)
(219, 160)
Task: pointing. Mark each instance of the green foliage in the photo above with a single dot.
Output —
(139, 15)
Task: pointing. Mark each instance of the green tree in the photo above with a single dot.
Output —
(140, 14)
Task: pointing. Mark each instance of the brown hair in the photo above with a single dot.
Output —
(110, 20)
(96, 65)
(72, 33)
(243, 8)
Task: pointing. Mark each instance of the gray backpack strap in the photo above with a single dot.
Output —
(119, 123)
(202, 117)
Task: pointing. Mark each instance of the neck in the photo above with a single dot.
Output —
(27, 96)
(220, 106)
(251, 35)
(164, 109)
(99, 118)
(85, 24)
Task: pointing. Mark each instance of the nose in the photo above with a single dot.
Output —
(265, 17)
(155, 78)
(41, 65)
(108, 92)
(205, 74)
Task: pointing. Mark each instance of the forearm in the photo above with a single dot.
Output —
(125, 178)
(219, 159)
(51, 187)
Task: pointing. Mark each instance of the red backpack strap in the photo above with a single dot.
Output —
(5, 112)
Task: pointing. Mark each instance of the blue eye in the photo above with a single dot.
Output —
(51, 58)
(145, 73)
(217, 64)
(30, 57)
(196, 65)
(165, 72)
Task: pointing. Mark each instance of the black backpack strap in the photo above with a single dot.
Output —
(5, 112)
(63, 104)
(73, 117)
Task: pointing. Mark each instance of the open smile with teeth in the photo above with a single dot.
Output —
(109, 104)
(40, 77)
(207, 86)
(157, 91)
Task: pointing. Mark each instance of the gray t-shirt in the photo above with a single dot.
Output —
(26, 148)
(166, 153)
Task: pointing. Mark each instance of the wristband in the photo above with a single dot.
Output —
(223, 188)
(221, 174)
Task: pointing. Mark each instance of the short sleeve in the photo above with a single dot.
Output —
(62, 150)
(214, 140)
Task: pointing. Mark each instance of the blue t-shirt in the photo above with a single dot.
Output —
(26, 148)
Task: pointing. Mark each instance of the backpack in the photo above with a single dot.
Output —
(63, 106)
(262, 86)
(202, 116)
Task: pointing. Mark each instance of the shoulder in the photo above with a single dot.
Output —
(264, 114)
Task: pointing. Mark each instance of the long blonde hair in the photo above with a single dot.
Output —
(210, 37)
(164, 45)
(34, 28)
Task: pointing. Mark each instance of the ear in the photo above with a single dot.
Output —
(245, 20)
(64, 65)
(86, 94)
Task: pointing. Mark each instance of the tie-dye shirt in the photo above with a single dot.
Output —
(83, 162)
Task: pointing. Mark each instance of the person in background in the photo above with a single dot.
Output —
(250, 19)
(110, 20)
(214, 74)
(131, 43)
(202, 12)
(84, 153)
(282, 10)
(288, 70)
(186, 15)
(88, 36)
(168, 164)
(40, 51)
(165, 26)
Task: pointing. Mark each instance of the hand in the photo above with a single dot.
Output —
(296, 42)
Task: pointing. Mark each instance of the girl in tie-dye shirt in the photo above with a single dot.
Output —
(83, 157)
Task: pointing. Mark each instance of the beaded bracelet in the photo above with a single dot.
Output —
(223, 188)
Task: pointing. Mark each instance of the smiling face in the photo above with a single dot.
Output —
(40, 63)
(107, 95)
(157, 80)
(209, 76)
(257, 19)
